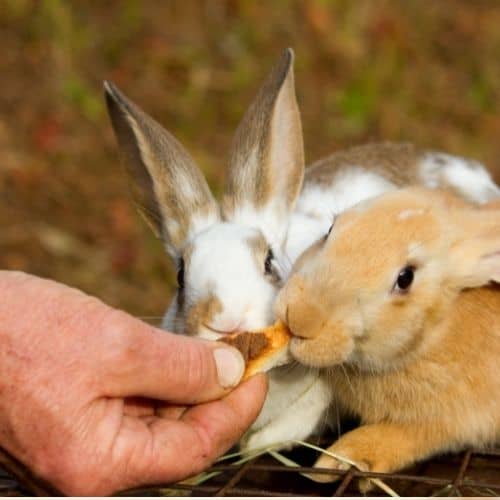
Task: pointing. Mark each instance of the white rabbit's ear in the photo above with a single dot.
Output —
(267, 156)
(475, 259)
(169, 189)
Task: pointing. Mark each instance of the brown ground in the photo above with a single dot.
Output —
(423, 71)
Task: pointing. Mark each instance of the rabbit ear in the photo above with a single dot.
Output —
(169, 189)
(267, 156)
(475, 259)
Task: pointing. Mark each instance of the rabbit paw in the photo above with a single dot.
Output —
(328, 462)
(375, 448)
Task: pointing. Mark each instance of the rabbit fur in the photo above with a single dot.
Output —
(416, 359)
(233, 257)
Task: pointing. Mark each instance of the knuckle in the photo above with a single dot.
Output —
(119, 350)
(85, 312)
(119, 335)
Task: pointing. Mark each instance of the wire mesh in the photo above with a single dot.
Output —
(471, 473)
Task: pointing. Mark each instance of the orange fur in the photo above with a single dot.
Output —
(421, 369)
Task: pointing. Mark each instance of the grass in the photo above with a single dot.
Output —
(273, 452)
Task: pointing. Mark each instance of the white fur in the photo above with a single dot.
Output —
(201, 222)
(410, 212)
(469, 178)
(269, 219)
(349, 187)
(291, 416)
(302, 232)
(222, 263)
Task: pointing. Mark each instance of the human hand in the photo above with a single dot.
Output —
(95, 401)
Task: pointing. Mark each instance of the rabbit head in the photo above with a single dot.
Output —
(228, 256)
(370, 292)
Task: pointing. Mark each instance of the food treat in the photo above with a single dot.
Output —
(263, 349)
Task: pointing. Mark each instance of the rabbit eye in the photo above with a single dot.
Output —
(404, 279)
(180, 274)
(268, 264)
(270, 268)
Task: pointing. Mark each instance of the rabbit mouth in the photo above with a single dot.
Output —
(221, 332)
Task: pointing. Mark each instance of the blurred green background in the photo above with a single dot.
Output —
(424, 71)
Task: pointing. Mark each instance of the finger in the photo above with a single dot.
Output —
(223, 426)
(157, 364)
(182, 448)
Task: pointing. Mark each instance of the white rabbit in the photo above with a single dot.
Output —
(233, 258)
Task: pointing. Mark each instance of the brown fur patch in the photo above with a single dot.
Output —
(202, 312)
(259, 247)
(395, 162)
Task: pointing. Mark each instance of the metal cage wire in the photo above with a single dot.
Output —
(474, 472)
(471, 473)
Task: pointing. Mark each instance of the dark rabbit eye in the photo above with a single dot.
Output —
(180, 274)
(270, 270)
(404, 280)
(268, 264)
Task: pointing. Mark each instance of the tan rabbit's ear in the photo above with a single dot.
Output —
(475, 258)
(169, 189)
(267, 157)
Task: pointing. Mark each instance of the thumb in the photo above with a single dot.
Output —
(156, 364)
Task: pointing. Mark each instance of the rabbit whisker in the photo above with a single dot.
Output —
(349, 383)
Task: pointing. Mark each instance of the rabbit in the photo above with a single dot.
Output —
(233, 257)
(398, 306)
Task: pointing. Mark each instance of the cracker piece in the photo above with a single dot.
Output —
(263, 349)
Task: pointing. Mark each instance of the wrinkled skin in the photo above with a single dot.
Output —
(95, 401)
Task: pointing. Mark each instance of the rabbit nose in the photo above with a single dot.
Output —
(293, 308)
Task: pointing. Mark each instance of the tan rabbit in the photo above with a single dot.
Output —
(399, 305)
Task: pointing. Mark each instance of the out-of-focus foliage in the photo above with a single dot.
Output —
(424, 71)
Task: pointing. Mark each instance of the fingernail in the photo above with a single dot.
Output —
(230, 366)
